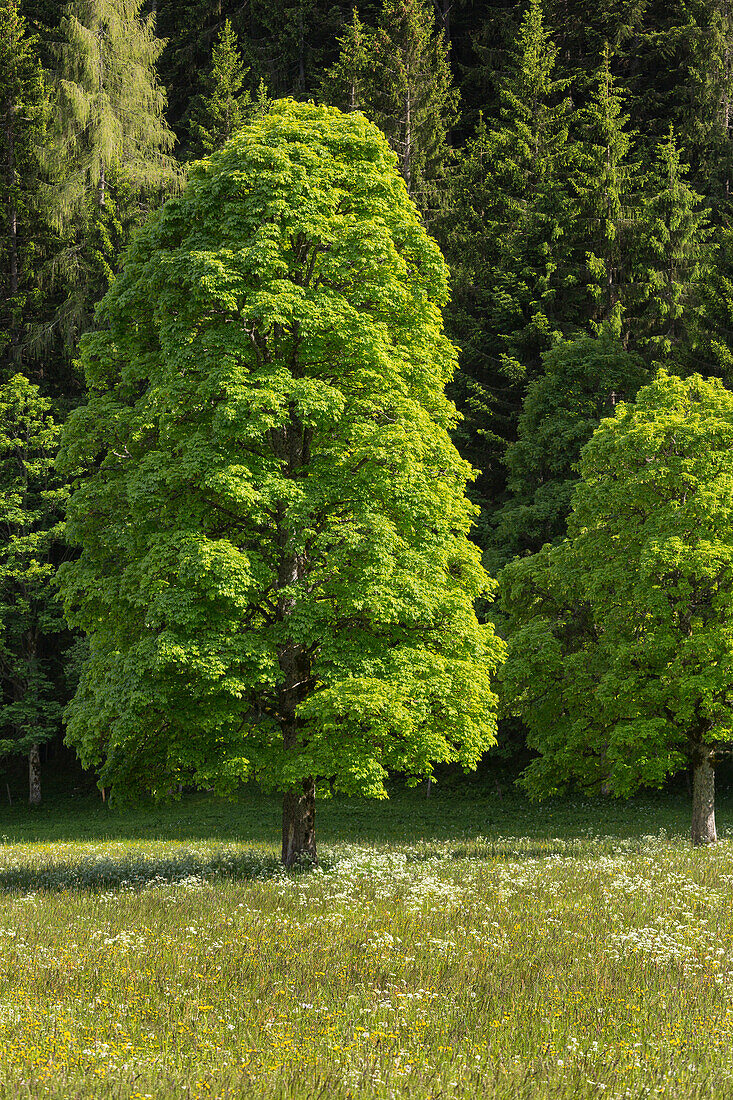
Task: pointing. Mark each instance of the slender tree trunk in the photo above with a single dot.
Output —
(407, 153)
(12, 228)
(102, 181)
(12, 212)
(703, 797)
(299, 824)
(34, 776)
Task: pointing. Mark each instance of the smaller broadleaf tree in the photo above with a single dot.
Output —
(621, 652)
(582, 380)
(32, 626)
(275, 574)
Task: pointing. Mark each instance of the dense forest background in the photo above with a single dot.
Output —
(572, 159)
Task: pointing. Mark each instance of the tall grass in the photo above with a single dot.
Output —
(591, 960)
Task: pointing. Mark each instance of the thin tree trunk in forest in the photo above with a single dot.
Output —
(12, 212)
(102, 196)
(407, 153)
(34, 776)
(12, 225)
(703, 797)
(299, 824)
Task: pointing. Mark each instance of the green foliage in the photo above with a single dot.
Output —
(621, 655)
(227, 104)
(346, 83)
(604, 186)
(109, 157)
(400, 77)
(411, 95)
(275, 575)
(23, 117)
(508, 228)
(582, 380)
(669, 259)
(32, 627)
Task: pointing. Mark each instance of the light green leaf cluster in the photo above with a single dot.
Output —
(275, 573)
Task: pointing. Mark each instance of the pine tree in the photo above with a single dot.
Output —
(508, 235)
(23, 115)
(110, 144)
(345, 84)
(227, 104)
(32, 497)
(410, 93)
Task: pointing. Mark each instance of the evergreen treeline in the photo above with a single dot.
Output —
(573, 160)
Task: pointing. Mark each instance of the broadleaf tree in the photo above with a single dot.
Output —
(32, 627)
(621, 653)
(275, 575)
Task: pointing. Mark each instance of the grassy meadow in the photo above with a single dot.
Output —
(460, 946)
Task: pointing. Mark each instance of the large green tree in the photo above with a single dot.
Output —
(621, 654)
(275, 574)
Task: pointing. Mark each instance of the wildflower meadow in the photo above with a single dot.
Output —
(453, 947)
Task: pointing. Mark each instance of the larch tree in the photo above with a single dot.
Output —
(32, 627)
(109, 156)
(621, 651)
(23, 117)
(275, 576)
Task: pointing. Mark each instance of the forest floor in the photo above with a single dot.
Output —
(461, 946)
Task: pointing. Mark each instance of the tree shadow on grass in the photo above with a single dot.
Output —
(134, 872)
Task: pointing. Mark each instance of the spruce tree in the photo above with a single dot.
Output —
(23, 115)
(670, 260)
(410, 93)
(604, 184)
(518, 282)
(345, 84)
(226, 105)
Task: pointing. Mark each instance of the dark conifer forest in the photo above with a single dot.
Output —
(573, 161)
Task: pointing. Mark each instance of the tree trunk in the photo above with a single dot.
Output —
(34, 776)
(299, 824)
(703, 797)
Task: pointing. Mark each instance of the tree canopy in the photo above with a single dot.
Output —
(275, 575)
(621, 660)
